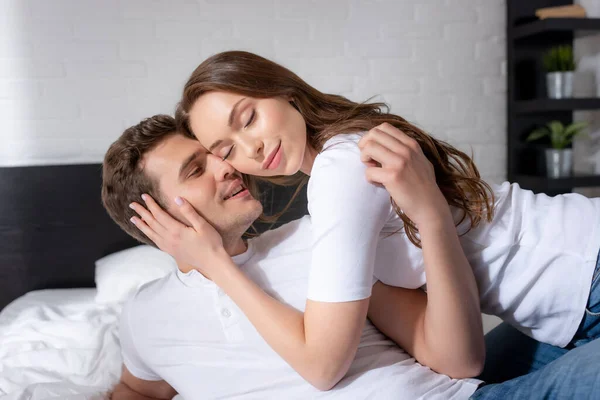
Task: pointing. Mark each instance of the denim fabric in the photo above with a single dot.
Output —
(573, 376)
(589, 329)
(510, 353)
(519, 367)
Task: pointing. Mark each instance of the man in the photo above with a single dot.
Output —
(182, 334)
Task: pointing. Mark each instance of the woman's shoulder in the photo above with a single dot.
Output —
(337, 149)
(339, 173)
(342, 141)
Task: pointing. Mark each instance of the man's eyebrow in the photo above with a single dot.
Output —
(186, 163)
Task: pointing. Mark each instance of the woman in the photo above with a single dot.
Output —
(532, 268)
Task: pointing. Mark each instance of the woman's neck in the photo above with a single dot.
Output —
(310, 154)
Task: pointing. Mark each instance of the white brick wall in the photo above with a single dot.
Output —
(75, 73)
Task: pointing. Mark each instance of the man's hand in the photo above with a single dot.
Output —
(132, 388)
(198, 245)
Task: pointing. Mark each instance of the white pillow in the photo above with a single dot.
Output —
(120, 274)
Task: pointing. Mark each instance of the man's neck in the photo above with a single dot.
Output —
(233, 247)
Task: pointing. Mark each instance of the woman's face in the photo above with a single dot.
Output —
(264, 137)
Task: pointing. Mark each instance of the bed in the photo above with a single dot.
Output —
(57, 338)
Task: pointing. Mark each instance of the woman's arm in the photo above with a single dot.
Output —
(446, 332)
(319, 344)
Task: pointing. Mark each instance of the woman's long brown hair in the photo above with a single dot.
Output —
(327, 115)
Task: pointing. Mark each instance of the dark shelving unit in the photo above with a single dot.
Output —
(551, 105)
(528, 106)
(544, 184)
(583, 26)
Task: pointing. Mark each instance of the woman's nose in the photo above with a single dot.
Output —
(252, 148)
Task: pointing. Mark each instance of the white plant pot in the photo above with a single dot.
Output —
(559, 163)
(559, 85)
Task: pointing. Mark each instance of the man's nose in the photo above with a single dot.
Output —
(224, 169)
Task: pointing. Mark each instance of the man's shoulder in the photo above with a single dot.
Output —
(152, 294)
(292, 236)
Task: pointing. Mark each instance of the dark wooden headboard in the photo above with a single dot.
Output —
(53, 227)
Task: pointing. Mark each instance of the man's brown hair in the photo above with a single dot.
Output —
(123, 177)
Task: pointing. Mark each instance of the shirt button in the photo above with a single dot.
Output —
(226, 313)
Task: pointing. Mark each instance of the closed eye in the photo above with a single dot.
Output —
(251, 119)
(228, 153)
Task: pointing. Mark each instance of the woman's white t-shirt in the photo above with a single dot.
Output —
(533, 263)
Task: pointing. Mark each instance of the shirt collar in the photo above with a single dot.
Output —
(194, 278)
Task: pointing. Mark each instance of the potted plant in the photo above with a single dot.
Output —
(559, 158)
(559, 65)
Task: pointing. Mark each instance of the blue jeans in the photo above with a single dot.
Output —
(519, 367)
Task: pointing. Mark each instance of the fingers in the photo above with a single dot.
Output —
(395, 133)
(191, 215)
(148, 218)
(378, 176)
(375, 151)
(378, 136)
(146, 230)
(161, 222)
(163, 218)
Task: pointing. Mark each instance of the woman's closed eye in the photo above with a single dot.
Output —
(227, 153)
(251, 119)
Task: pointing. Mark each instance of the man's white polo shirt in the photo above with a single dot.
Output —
(185, 330)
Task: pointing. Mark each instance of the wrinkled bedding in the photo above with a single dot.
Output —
(59, 344)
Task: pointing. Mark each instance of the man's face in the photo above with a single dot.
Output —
(182, 167)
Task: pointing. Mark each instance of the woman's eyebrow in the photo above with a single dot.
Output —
(233, 111)
(215, 145)
(229, 123)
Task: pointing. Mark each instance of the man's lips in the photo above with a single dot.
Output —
(243, 193)
(272, 161)
(234, 189)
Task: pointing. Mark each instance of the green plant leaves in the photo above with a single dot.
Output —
(575, 128)
(537, 134)
(559, 59)
(560, 136)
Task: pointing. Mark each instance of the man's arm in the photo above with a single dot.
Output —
(133, 388)
(441, 329)
(447, 333)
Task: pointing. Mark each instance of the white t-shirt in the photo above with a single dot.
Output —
(533, 263)
(185, 330)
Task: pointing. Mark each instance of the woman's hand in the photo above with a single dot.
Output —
(198, 245)
(397, 162)
(448, 333)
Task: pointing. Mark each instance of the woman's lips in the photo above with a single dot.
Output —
(274, 158)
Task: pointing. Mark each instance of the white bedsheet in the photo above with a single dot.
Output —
(58, 344)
